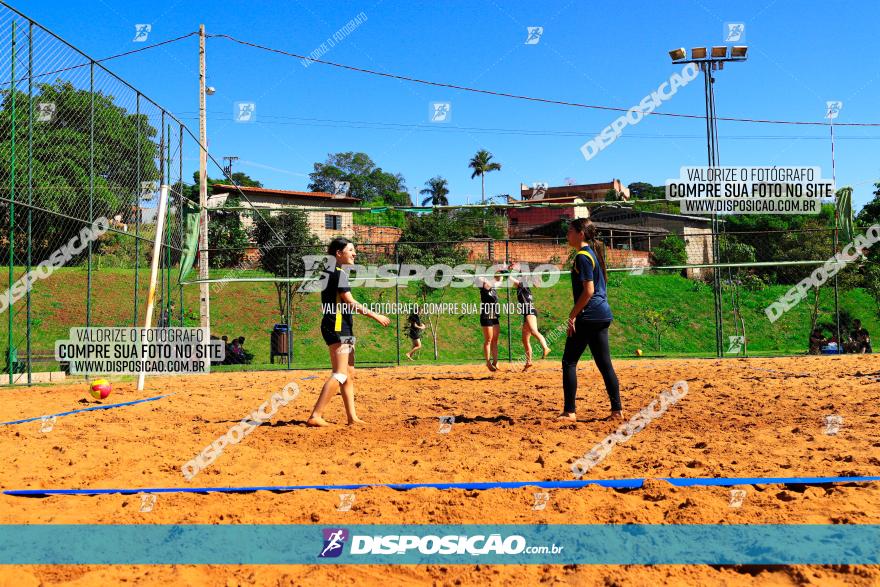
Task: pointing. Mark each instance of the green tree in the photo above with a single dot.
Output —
(366, 181)
(870, 212)
(436, 192)
(672, 250)
(431, 239)
(734, 251)
(640, 190)
(394, 218)
(480, 222)
(872, 284)
(482, 164)
(660, 322)
(283, 239)
(62, 160)
(227, 238)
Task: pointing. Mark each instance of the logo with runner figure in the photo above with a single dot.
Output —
(334, 541)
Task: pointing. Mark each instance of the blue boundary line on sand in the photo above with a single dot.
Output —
(572, 484)
(89, 409)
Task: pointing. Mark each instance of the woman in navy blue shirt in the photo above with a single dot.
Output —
(589, 319)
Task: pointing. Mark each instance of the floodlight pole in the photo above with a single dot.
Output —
(712, 151)
(204, 287)
(707, 65)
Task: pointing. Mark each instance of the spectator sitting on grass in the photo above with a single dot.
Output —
(236, 352)
(227, 352)
(817, 341)
(861, 338)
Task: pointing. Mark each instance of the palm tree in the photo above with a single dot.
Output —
(481, 166)
(436, 191)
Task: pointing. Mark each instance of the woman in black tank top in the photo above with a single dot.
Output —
(338, 306)
(526, 306)
(489, 312)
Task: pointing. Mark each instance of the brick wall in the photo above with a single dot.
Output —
(542, 252)
(376, 234)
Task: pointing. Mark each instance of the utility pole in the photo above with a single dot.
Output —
(228, 168)
(204, 288)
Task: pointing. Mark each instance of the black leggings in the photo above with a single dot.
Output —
(594, 335)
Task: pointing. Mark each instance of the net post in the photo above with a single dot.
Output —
(509, 337)
(154, 268)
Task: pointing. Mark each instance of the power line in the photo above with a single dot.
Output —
(110, 58)
(523, 97)
(374, 125)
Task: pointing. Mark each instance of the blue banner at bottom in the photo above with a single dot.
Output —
(520, 544)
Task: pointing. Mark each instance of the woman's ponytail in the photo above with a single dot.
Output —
(591, 236)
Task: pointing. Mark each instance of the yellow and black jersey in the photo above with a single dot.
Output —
(336, 314)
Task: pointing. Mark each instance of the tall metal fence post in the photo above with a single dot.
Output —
(180, 223)
(835, 244)
(168, 229)
(397, 302)
(163, 272)
(137, 213)
(30, 190)
(91, 187)
(9, 352)
(509, 335)
(718, 286)
(287, 317)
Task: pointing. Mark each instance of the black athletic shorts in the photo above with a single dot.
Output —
(332, 337)
(488, 321)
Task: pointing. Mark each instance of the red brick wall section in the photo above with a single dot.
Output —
(376, 234)
(522, 220)
(380, 240)
(537, 252)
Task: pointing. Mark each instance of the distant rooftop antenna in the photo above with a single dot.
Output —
(227, 169)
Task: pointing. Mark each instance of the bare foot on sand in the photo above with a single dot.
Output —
(491, 366)
(317, 422)
(526, 367)
(546, 352)
(355, 420)
(618, 415)
(570, 416)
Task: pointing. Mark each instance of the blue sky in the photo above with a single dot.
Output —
(802, 53)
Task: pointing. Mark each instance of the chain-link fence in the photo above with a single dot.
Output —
(79, 143)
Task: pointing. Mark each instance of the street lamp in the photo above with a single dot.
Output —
(710, 60)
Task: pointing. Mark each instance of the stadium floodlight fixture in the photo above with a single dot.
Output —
(678, 54)
(739, 51)
(698, 53)
(719, 51)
